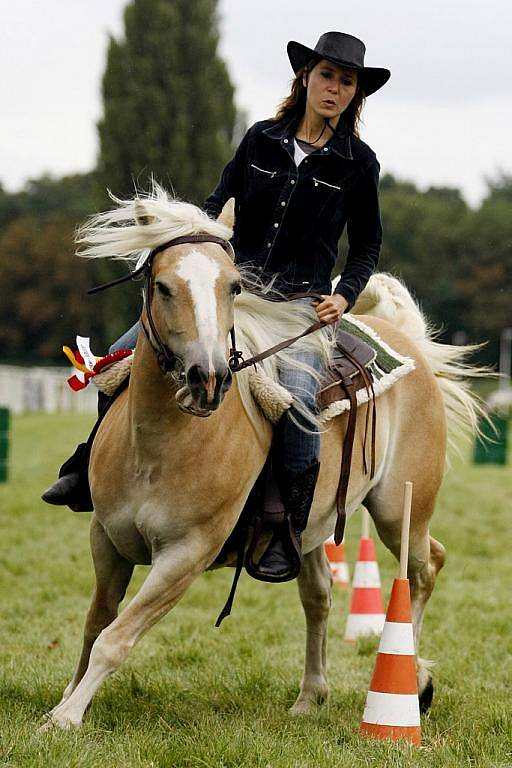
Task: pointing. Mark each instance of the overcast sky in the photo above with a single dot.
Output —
(444, 118)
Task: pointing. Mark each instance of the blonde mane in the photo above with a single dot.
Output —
(135, 226)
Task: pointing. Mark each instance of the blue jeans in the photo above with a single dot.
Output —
(298, 449)
(127, 340)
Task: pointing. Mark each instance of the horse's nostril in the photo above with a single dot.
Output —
(196, 376)
(224, 377)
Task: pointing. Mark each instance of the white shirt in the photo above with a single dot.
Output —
(299, 153)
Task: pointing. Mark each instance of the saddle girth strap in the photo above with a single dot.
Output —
(348, 443)
(346, 460)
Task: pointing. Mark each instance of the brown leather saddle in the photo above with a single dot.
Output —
(348, 372)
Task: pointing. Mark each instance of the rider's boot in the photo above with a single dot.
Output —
(283, 557)
(72, 487)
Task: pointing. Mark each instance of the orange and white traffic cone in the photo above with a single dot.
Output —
(366, 615)
(392, 707)
(336, 557)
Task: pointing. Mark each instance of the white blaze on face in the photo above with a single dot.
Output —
(201, 274)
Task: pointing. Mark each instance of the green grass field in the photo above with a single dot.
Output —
(193, 695)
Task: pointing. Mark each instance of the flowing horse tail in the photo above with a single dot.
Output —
(387, 297)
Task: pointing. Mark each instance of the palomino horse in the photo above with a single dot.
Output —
(168, 487)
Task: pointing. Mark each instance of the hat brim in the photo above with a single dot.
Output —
(370, 78)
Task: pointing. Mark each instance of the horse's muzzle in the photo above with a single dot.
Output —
(208, 387)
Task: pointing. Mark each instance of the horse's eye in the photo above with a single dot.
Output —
(236, 289)
(163, 290)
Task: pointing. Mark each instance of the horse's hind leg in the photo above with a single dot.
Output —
(422, 580)
(113, 574)
(315, 586)
(426, 557)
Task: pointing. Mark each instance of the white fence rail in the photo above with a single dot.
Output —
(23, 390)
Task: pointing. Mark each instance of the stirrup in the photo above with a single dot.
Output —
(286, 540)
(288, 549)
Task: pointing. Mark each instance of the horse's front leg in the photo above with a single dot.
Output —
(315, 587)
(173, 571)
(113, 574)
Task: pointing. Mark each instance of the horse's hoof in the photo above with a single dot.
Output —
(426, 697)
(305, 705)
(300, 708)
(53, 723)
(48, 725)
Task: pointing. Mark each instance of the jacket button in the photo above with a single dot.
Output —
(326, 149)
(292, 181)
(285, 141)
(283, 203)
(269, 245)
(276, 224)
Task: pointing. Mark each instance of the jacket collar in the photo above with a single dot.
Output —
(284, 131)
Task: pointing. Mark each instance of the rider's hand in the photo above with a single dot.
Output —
(331, 308)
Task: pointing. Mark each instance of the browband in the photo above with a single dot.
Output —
(147, 263)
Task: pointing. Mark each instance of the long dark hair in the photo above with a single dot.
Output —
(295, 103)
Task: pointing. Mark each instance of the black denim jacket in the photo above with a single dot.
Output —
(289, 220)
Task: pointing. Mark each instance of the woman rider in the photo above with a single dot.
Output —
(297, 180)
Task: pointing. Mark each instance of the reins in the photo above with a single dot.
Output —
(237, 355)
(237, 363)
(168, 361)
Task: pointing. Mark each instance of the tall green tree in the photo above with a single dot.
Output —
(168, 101)
(169, 114)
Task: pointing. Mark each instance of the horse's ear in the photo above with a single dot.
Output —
(227, 215)
(142, 216)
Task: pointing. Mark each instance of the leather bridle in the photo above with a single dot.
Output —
(168, 361)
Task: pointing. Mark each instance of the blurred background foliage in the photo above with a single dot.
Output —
(169, 113)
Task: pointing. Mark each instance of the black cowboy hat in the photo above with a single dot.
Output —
(342, 49)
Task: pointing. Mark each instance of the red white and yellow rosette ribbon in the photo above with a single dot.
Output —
(88, 365)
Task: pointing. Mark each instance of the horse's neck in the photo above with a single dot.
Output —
(151, 396)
